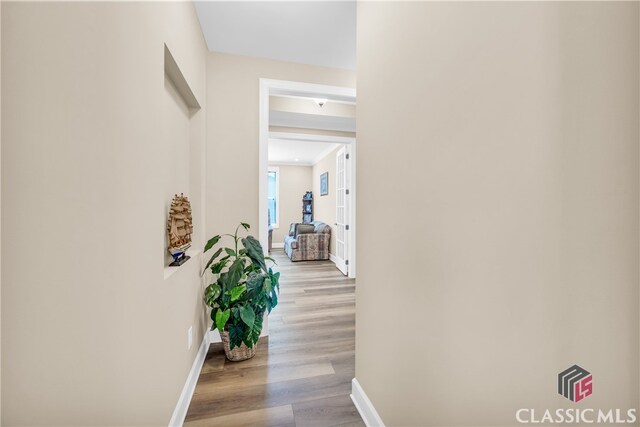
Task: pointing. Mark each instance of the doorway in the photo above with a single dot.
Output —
(343, 186)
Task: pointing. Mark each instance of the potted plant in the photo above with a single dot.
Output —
(243, 289)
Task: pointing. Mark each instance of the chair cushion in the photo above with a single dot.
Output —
(304, 229)
(292, 229)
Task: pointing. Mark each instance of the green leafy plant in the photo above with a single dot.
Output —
(243, 288)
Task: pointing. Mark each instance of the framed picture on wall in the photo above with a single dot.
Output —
(324, 184)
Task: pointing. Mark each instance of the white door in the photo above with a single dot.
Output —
(342, 216)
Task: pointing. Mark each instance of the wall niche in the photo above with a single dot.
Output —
(183, 149)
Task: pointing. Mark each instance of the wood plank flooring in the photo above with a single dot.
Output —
(301, 374)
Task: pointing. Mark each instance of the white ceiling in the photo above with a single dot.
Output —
(310, 32)
(303, 153)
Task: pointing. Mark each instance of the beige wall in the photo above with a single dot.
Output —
(232, 131)
(93, 147)
(325, 206)
(295, 181)
(514, 179)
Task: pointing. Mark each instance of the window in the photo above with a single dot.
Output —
(273, 196)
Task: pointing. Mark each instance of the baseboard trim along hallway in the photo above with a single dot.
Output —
(332, 258)
(180, 412)
(364, 406)
(214, 336)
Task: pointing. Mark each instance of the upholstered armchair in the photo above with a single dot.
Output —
(308, 242)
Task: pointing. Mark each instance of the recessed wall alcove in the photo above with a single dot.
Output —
(185, 150)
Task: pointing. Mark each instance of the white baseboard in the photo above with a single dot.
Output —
(332, 258)
(364, 406)
(214, 336)
(277, 245)
(180, 412)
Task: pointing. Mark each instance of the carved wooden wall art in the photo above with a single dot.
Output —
(180, 228)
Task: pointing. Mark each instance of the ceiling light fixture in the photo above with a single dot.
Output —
(320, 101)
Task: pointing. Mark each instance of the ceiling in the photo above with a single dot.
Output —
(309, 32)
(303, 153)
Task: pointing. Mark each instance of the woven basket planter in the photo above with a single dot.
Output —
(238, 353)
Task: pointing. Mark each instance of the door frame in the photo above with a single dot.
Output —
(268, 87)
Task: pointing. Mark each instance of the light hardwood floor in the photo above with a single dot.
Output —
(301, 374)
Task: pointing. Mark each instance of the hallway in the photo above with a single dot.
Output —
(301, 374)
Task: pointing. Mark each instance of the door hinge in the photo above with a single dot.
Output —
(347, 156)
(346, 262)
(346, 227)
(347, 192)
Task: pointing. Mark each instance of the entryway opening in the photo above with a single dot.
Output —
(307, 172)
(305, 362)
